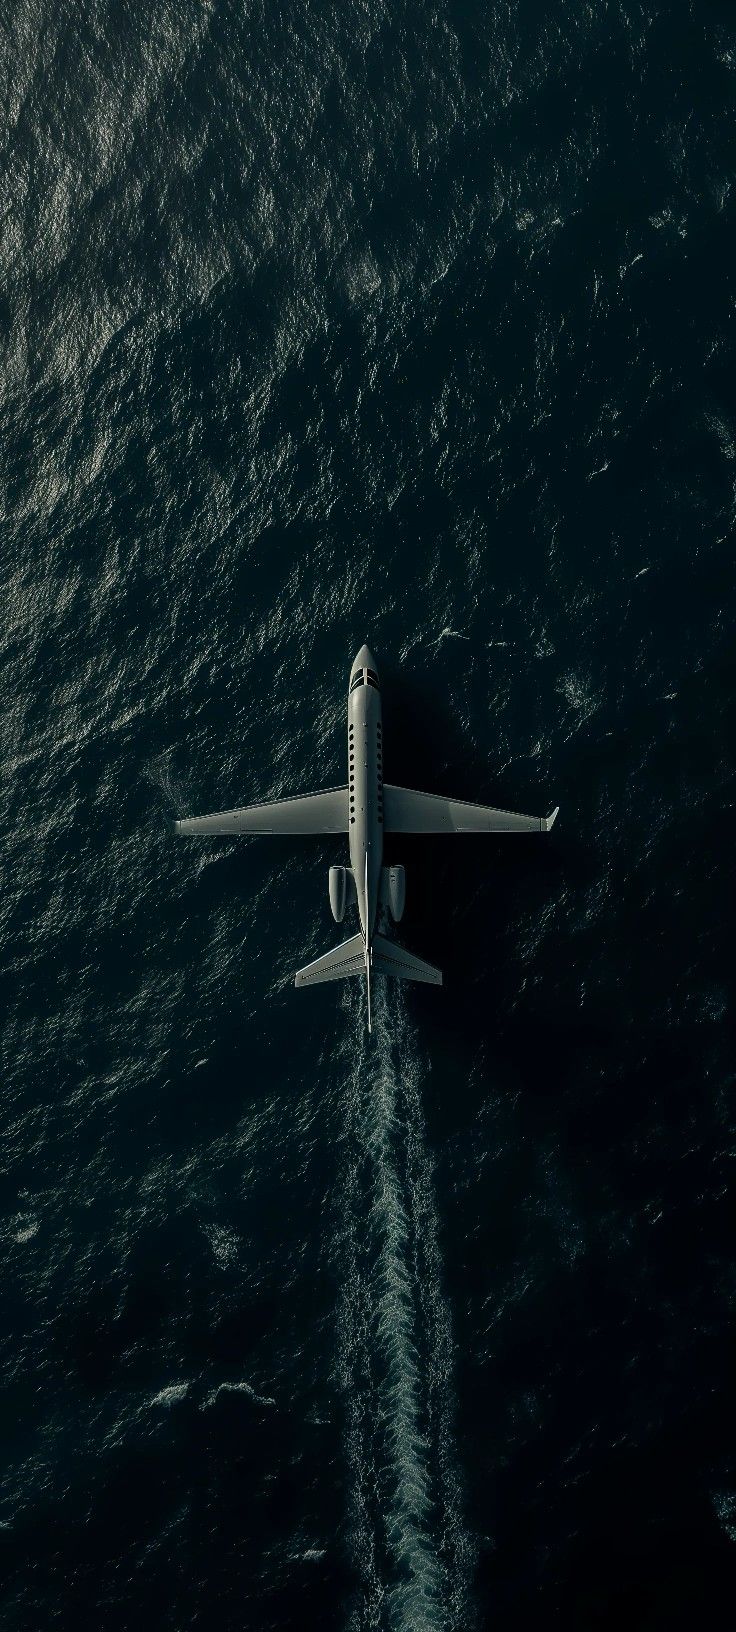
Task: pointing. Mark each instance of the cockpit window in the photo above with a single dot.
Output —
(364, 677)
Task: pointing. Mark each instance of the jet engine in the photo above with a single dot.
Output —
(396, 892)
(338, 893)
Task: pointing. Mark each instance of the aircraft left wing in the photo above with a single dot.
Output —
(406, 811)
(325, 812)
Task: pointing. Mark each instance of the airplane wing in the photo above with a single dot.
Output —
(406, 811)
(348, 959)
(325, 812)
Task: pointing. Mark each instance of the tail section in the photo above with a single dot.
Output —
(390, 959)
(348, 959)
(384, 958)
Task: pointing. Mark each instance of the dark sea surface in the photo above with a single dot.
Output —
(410, 324)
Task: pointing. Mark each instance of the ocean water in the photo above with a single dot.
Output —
(414, 325)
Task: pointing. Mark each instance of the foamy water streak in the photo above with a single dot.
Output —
(409, 1541)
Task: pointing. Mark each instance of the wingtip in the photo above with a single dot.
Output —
(549, 821)
(176, 826)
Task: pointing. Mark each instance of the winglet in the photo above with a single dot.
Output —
(549, 821)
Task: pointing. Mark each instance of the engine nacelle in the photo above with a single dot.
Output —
(396, 892)
(338, 893)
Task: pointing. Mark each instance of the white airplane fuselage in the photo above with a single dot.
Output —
(365, 788)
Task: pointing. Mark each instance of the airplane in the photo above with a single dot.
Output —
(365, 809)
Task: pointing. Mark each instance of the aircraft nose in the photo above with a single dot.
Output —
(364, 659)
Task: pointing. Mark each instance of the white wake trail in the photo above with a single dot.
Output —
(410, 1546)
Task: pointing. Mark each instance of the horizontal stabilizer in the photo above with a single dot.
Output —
(325, 812)
(348, 959)
(407, 811)
(390, 959)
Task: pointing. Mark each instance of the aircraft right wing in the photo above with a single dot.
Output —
(325, 812)
(406, 811)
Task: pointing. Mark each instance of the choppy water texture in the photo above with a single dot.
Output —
(411, 1550)
(410, 324)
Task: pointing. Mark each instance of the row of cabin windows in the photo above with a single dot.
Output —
(358, 680)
